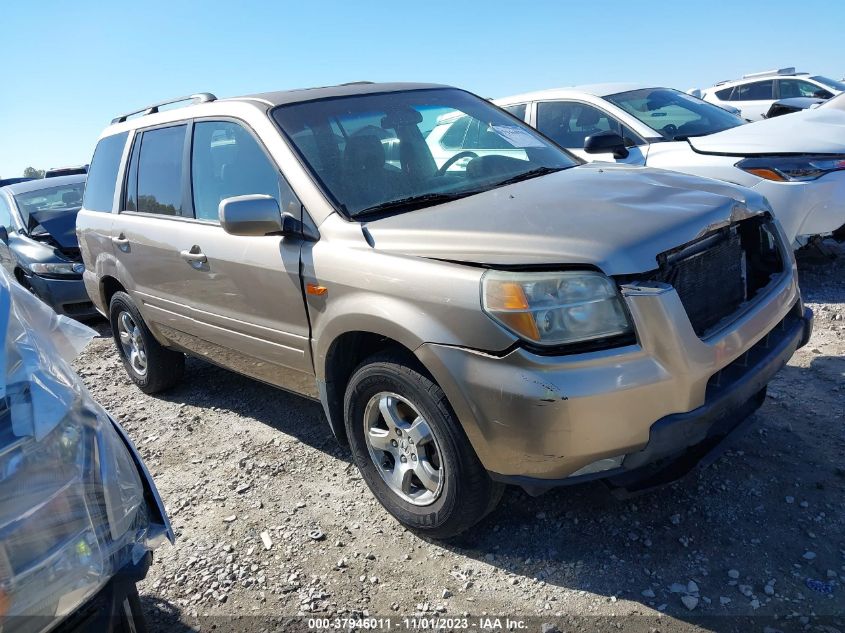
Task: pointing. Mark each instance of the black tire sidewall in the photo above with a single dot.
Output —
(121, 302)
(377, 377)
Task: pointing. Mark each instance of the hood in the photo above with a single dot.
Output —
(815, 131)
(616, 217)
(60, 224)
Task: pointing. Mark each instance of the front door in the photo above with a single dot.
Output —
(246, 294)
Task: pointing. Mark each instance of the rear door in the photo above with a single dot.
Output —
(569, 123)
(754, 99)
(151, 229)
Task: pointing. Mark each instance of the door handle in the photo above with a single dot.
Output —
(121, 242)
(194, 257)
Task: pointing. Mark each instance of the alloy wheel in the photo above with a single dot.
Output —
(403, 448)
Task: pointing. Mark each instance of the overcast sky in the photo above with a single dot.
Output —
(69, 67)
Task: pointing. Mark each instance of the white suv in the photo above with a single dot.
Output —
(755, 92)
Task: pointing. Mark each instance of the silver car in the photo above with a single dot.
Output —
(524, 319)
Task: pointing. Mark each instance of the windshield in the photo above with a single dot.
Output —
(51, 200)
(675, 115)
(830, 83)
(396, 151)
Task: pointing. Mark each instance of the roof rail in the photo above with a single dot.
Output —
(780, 71)
(201, 97)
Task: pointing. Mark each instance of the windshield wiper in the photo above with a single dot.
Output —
(412, 202)
(526, 175)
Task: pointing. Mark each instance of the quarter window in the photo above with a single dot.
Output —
(159, 187)
(518, 110)
(569, 123)
(227, 161)
(102, 175)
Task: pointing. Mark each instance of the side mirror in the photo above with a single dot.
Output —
(4, 235)
(255, 215)
(605, 142)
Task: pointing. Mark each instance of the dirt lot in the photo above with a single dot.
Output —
(760, 534)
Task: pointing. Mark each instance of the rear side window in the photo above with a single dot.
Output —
(227, 161)
(756, 91)
(159, 172)
(102, 175)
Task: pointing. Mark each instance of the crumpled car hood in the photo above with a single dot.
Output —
(817, 131)
(60, 225)
(616, 217)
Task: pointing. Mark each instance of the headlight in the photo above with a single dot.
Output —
(792, 168)
(555, 308)
(58, 269)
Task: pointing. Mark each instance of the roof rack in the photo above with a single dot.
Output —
(780, 71)
(201, 97)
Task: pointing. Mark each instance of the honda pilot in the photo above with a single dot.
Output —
(524, 319)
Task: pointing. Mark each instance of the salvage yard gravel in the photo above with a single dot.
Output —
(272, 519)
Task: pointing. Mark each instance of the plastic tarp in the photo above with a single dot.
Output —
(75, 499)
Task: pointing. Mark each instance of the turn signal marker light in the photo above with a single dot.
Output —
(317, 290)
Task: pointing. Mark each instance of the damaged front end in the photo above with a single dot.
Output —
(77, 506)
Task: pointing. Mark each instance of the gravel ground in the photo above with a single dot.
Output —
(273, 520)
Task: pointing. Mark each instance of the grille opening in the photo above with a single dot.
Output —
(720, 273)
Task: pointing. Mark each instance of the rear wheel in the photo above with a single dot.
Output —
(411, 450)
(150, 365)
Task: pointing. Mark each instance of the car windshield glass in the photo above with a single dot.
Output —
(397, 151)
(53, 200)
(831, 83)
(673, 114)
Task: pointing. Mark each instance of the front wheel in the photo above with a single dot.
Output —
(411, 450)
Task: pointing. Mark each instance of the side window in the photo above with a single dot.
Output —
(102, 175)
(756, 91)
(455, 135)
(569, 124)
(725, 94)
(518, 110)
(631, 138)
(227, 161)
(5, 214)
(159, 171)
(480, 136)
(799, 88)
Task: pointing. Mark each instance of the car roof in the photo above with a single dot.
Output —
(44, 183)
(202, 104)
(595, 90)
(285, 97)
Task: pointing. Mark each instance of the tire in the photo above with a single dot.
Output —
(131, 617)
(448, 490)
(152, 367)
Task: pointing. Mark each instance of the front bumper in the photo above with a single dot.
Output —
(65, 296)
(804, 209)
(536, 420)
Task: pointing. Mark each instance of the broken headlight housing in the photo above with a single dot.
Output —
(792, 168)
(555, 308)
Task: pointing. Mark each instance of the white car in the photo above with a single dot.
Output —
(796, 161)
(755, 92)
